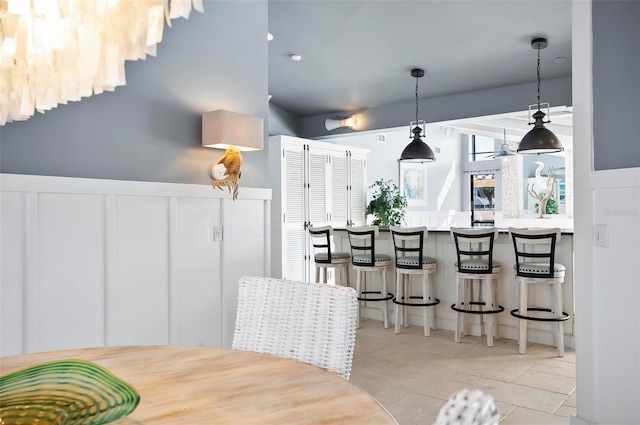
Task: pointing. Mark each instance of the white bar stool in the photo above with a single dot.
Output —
(408, 244)
(474, 251)
(324, 256)
(364, 259)
(535, 263)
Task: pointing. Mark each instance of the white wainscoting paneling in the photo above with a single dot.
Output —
(138, 297)
(197, 284)
(13, 273)
(87, 262)
(70, 268)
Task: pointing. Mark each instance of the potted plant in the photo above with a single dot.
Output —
(387, 204)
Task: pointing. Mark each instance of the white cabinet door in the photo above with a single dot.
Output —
(317, 183)
(358, 188)
(339, 213)
(318, 186)
(294, 245)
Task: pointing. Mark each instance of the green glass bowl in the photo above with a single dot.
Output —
(65, 392)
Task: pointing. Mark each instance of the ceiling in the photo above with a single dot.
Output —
(358, 54)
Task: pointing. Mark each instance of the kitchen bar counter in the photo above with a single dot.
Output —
(439, 245)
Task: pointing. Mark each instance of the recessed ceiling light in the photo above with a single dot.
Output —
(269, 36)
(296, 57)
(560, 60)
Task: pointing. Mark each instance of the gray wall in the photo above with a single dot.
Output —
(464, 105)
(616, 84)
(282, 122)
(150, 129)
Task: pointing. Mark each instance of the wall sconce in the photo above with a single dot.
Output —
(350, 122)
(222, 129)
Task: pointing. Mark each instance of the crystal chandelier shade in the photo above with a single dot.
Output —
(56, 51)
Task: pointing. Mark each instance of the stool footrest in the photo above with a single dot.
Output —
(416, 297)
(516, 313)
(500, 309)
(388, 297)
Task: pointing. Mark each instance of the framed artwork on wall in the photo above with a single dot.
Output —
(413, 183)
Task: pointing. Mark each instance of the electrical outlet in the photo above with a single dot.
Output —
(217, 233)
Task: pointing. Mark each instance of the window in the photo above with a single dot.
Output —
(481, 148)
(483, 199)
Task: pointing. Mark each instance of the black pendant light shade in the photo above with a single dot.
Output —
(540, 139)
(417, 150)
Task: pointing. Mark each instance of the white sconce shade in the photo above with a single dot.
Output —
(221, 129)
(350, 122)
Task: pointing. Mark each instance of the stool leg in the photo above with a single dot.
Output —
(385, 303)
(317, 273)
(434, 295)
(346, 275)
(522, 337)
(468, 296)
(488, 304)
(558, 313)
(496, 322)
(407, 296)
(399, 307)
(358, 277)
(425, 297)
(459, 295)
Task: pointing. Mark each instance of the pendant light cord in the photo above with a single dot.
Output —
(417, 100)
(538, 70)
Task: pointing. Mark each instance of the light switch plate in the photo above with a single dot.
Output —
(601, 235)
(217, 233)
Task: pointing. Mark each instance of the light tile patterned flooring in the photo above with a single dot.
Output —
(412, 375)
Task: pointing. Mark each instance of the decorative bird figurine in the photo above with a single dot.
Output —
(232, 161)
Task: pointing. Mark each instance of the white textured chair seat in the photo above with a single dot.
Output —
(478, 265)
(542, 268)
(314, 323)
(335, 256)
(380, 259)
(413, 261)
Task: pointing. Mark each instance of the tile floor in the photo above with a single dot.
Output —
(413, 375)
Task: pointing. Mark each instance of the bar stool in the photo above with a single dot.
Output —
(408, 244)
(364, 259)
(474, 252)
(535, 263)
(325, 258)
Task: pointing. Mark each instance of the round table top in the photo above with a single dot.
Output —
(196, 385)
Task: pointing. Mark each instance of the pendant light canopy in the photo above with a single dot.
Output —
(417, 150)
(540, 139)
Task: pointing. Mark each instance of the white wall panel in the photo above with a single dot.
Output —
(89, 262)
(138, 298)
(12, 271)
(70, 267)
(196, 286)
(244, 253)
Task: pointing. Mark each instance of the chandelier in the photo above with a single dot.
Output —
(56, 51)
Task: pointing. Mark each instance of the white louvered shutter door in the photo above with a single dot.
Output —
(358, 189)
(294, 233)
(339, 196)
(317, 200)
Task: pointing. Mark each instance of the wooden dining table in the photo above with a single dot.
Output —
(197, 385)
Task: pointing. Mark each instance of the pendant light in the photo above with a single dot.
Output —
(417, 150)
(540, 139)
(504, 148)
